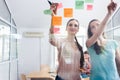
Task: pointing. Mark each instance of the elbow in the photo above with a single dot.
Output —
(52, 42)
(88, 44)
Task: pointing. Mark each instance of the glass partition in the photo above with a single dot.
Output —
(113, 27)
(13, 43)
(4, 11)
(116, 18)
(4, 41)
(13, 22)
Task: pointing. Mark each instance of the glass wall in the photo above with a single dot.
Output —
(4, 11)
(4, 42)
(113, 27)
(8, 44)
(8, 32)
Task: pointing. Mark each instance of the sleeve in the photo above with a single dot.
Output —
(115, 44)
(55, 41)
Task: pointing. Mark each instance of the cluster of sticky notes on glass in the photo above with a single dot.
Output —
(68, 12)
(56, 21)
(48, 12)
(56, 30)
(79, 4)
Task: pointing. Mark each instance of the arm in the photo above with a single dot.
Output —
(52, 38)
(111, 8)
(118, 60)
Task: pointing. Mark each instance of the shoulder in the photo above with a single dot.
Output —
(61, 41)
(113, 43)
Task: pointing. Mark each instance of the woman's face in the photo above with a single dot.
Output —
(94, 26)
(72, 27)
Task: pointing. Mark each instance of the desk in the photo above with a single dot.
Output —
(40, 76)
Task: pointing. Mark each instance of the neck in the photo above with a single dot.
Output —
(70, 38)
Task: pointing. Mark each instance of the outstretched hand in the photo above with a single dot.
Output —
(53, 7)
(111, 7)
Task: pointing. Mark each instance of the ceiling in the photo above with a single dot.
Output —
(29, 13)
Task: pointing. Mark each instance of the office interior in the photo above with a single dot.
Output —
(24, 33)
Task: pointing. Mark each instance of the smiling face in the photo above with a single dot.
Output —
(72, 27)
(94, 26)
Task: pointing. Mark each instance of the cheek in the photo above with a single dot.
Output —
(93, 30)
(77, 30)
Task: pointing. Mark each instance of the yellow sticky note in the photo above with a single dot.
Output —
(57, 21)
(68, 12)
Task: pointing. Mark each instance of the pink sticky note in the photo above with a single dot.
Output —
(89, 7)
(59, 5)
(56, 30)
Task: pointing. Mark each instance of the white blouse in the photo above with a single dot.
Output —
(68, 58)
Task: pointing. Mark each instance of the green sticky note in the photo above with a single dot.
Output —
(48, 11)
(89, 1)
(79, 4)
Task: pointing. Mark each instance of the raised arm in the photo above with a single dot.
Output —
(52, 38)
(111, 8)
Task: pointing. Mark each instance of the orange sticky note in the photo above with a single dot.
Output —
(57, 21)
(89, 7)
(68, 12)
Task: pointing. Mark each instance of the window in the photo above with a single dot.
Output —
(4, 42)
(13, 43)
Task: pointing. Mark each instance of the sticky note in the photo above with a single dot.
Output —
(59, 5)
(89, 1)
(79, 4)
(48, 12)
(68, 12)
(56, 21)
(89, 7)
(56, 30)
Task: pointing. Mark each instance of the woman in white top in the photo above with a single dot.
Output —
(70, 54)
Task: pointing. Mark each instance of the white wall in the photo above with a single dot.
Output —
(13, 70)
(4, 71)
(33, 51)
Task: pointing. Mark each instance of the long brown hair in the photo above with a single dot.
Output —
(78, 45)
(97, 48)
(82, 55)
